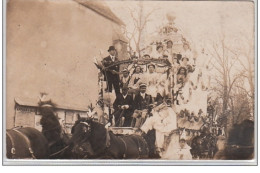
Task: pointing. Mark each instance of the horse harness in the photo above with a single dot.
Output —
(108, 143)
(124, 155)
(139, 147)
(26, 140)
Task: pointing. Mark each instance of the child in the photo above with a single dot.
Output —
(183, 151)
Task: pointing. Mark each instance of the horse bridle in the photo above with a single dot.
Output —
(107, 136)
(87, 124)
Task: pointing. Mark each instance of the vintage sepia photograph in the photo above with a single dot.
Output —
(130, 82)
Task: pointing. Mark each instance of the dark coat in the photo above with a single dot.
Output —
(140, 103)
(120, 100)
(107, 61)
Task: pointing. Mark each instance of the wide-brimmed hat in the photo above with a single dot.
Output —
(111, 48)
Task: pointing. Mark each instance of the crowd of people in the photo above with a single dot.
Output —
(140, 87)
(148, 84)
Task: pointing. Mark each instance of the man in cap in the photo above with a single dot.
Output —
(146, 56)
(112, 73)
(125, 79)
(142, 102)
(123, 107)
(163, 121)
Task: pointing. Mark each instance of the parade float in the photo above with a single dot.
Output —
(184, 87)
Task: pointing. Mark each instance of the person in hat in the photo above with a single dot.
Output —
(147, 56)
(123, 106)
(112, 73)
(163, 121)
(142, 102)
(125, 79)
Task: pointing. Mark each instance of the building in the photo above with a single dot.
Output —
(27, 114)
(51, 46)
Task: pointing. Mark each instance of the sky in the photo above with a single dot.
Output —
(201, 22)
(198, 20)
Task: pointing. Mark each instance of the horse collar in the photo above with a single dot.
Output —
(12, 142)
(27, 141)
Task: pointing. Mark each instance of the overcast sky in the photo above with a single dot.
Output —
(199, 21)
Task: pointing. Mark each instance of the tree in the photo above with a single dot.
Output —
(233, 61)
(244, 52)
(140, 20)
(240, 102)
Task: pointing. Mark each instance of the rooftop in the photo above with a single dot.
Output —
(34, 103)
(102, 9)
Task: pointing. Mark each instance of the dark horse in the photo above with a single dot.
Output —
(58, 141)
(204, 145)
(92, 140)
(239, 144)
(26, 143)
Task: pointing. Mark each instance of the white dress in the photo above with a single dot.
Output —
(157, 55)
(175, 152)
(169, 53)
(151, 79)
(163, 87)
(135, 80)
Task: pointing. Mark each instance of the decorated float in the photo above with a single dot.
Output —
(183, 86)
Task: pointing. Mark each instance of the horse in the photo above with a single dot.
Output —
(240, 143)
(91, 140)
(26, 143)
(58, 141)
(204, 145)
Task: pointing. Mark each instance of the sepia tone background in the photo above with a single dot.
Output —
(51, 43)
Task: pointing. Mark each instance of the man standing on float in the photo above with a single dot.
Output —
(111, 73)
